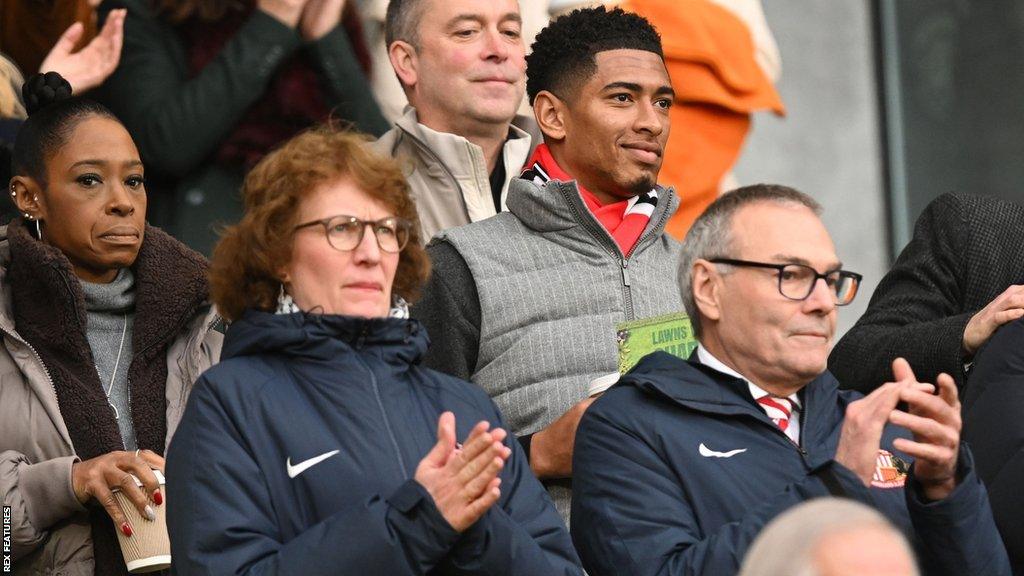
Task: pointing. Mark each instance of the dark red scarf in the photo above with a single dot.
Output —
(625, 220)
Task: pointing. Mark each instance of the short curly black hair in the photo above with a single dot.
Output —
(564, 54)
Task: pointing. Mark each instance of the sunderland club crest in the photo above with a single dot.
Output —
(890, 471)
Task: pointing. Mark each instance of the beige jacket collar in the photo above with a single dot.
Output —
(466, 163)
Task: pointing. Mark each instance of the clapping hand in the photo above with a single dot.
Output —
(91, 65)
(933, 420)
(464, 482)
(287, 12)
(936, 424)
(320, 17)
(861, 436)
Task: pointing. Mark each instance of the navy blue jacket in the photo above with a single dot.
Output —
(993, 405)
(651, 498)
(291, 388)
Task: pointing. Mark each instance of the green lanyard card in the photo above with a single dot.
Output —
(670, 333)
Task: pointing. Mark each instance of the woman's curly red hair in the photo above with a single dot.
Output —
(246, 263)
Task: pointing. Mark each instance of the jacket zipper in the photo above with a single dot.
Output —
(601, 235)
(662, 217)
(380, 405)
(39, 359)
(798, 446)
(803, 427)
(627, 290)
(603, 238)
(625, 261)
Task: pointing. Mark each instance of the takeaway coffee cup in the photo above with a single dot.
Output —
(601, 383)
(148, 549)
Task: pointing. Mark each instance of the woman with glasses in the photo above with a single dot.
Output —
(321, 446)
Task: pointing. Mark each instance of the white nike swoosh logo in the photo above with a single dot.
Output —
(709, 453)
(301, 467)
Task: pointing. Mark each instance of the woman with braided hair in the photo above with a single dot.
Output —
(105, 326)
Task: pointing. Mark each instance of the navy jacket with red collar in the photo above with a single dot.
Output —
(676, 469)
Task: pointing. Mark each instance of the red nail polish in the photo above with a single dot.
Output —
(158, 498)
(126, 529)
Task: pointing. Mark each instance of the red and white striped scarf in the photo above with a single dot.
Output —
(625, 220)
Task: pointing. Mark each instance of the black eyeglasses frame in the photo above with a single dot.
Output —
(780, 268)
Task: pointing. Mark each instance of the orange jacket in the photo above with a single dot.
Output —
(710, 55)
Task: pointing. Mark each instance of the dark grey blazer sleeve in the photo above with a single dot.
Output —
(450, 311)
(917, 311)
(351, 95)
(177, 121)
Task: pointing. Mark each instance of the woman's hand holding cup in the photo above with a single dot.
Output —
(95, 478)
(463, 482)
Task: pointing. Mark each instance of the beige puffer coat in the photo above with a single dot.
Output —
(50, 530)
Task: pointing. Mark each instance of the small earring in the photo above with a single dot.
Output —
(285, 304)
(399, 308)
(39, 230)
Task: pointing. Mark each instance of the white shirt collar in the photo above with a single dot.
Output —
(708, 359)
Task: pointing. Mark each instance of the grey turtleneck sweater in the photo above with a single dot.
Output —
(110, 315)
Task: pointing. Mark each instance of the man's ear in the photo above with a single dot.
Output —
(26, 193)
(706, 285)
(550, 112)
(405, 62)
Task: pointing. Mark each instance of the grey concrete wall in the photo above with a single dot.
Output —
(829, 144)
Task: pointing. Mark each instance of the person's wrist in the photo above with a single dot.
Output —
(966, 351)
(538, 454)
(934, 491)
(969, 344)
(862, 472)
(315, 35)
(76, 485)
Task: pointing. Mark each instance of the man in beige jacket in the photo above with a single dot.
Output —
(463, 69)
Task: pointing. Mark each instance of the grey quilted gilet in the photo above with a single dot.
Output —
(552, 285)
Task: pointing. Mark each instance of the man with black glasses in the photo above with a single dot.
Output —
(679, 466)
